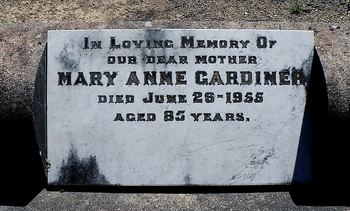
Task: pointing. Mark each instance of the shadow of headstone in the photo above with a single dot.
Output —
(22, 175)
(320, 176)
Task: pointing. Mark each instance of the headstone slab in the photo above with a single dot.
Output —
(175, 107)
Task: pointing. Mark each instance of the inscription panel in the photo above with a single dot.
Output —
(175, 107)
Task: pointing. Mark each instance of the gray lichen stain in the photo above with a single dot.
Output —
(76, 171)
(307, 66)
(262, 157)
(68, 60)
(255, 165)
(187, 179)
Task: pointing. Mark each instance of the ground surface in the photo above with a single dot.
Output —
(192, 202)
(22, 11)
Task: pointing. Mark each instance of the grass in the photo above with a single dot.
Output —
(296, 8)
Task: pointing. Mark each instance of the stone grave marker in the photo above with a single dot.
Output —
(175, 107)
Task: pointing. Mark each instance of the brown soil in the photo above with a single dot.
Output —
(21, 11)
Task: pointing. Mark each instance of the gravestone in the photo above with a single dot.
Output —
(175, 107)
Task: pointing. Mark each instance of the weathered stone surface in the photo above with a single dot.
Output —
(176, 107)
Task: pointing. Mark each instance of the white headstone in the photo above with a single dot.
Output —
(175, 107)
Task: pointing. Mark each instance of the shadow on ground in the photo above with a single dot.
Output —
(323, 149)
(22, 174)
